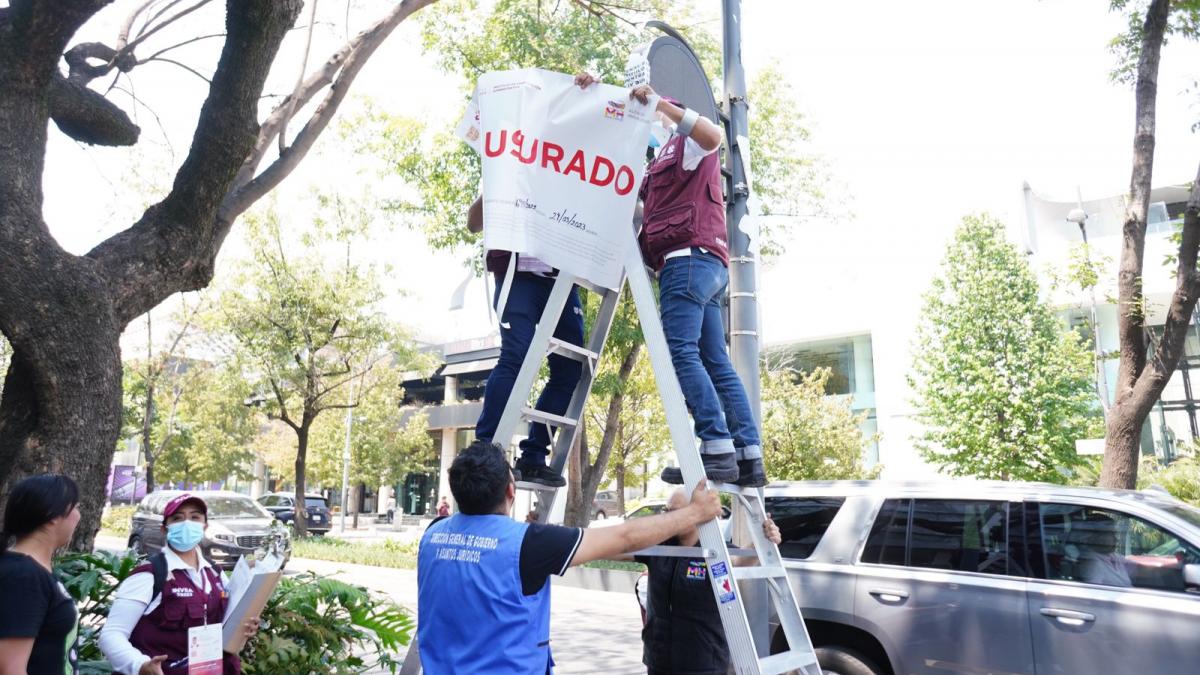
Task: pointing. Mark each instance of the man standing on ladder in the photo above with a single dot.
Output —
(483, 587)
(683, 239)
(521, 294)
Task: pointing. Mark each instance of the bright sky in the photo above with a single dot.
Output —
(923, 111)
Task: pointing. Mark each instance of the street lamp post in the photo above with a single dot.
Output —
(1078, 216)
(346, 462)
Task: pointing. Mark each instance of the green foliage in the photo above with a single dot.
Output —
(115, 521)
(1004, 388)
(1180, 477)
(310, 624)
(807, 435)
(401, 555)
(310, 332)
(1183, 21)
(92, 579)
(209, 430)
(318, 625)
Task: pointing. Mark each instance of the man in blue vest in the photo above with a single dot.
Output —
(482, 578)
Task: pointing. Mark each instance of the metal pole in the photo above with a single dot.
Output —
(346, 462)
(743, 281)
(743, 253)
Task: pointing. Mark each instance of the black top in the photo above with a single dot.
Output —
(683, 632)
(47, 614)
(546, 550)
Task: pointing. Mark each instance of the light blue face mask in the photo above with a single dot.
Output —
(184, 536)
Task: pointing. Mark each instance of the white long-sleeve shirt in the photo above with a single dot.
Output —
(132, 602)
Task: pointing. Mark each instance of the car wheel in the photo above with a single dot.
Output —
(841, 661)
(135, 544)
(600, 515)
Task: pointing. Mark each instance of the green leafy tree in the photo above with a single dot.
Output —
(1142, 375)
(640, 437)
(808, 435)
(309, 331)
(209, 432)
(1004, 388)
(383, 447)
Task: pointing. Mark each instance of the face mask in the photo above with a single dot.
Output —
(184, 536)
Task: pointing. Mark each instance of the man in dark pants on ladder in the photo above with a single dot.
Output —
(683, 239)
(521, 295)
(483, 591)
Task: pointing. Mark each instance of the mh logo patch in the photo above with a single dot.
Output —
(697, 571)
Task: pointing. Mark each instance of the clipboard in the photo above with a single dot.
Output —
(246, 602)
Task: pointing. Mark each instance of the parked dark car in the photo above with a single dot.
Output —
(283, 505)
(237, 526)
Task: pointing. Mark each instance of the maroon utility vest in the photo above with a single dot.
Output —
(164, 631)
(682, 208)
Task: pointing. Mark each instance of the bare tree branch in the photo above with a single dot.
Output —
(337, 74)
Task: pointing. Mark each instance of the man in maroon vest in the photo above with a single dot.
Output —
(147, 634)
(683, 239)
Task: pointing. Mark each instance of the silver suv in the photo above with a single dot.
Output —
(982, 577)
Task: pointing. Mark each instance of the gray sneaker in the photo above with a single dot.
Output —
(752, 473)
(721, 468)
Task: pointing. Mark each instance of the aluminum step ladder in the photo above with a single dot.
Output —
(769, 569)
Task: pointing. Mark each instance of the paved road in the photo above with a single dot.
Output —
(591, 631)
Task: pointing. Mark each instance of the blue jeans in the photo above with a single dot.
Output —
(690, 290)
(526, 302)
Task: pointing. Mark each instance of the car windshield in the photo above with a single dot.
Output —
(234, 507)
(1189, 513)
(315, 501)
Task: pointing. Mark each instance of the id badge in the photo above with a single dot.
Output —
(204, 650)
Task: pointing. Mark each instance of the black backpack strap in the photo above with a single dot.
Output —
(158, 567)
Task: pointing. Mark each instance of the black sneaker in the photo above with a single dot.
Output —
(752, 473)
(721, 468)
(540, 474)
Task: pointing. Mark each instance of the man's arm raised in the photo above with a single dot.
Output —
(608, 542)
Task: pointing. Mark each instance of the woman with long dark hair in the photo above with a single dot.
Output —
(38, 622)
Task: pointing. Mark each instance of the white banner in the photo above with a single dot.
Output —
(561, 168)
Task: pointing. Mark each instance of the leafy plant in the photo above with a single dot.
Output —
(310, 624)
(92, 579)
(115, 520)
(318, 625)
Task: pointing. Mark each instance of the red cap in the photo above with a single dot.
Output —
(173, 505)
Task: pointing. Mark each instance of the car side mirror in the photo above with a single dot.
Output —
(1191, 576)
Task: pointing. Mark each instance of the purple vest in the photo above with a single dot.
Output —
(682, 208)
(164, 631)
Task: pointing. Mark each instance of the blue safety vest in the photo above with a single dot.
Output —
(471, 614)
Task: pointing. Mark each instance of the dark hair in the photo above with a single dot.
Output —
(36, 501)
(479, 477)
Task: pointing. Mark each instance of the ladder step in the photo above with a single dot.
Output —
(805, 662)
(535, 487)
(689, 552)
(535, 415)
(564, 348)
(740, 573)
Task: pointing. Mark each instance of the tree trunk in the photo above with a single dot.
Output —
(300, 523)
(576, 513)
(1138, 386)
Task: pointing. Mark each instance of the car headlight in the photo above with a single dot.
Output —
(225, 538)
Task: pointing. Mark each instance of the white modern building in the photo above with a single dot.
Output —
(849, 298)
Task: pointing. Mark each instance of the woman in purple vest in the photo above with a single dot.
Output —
(683, 239)
(147, 634)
